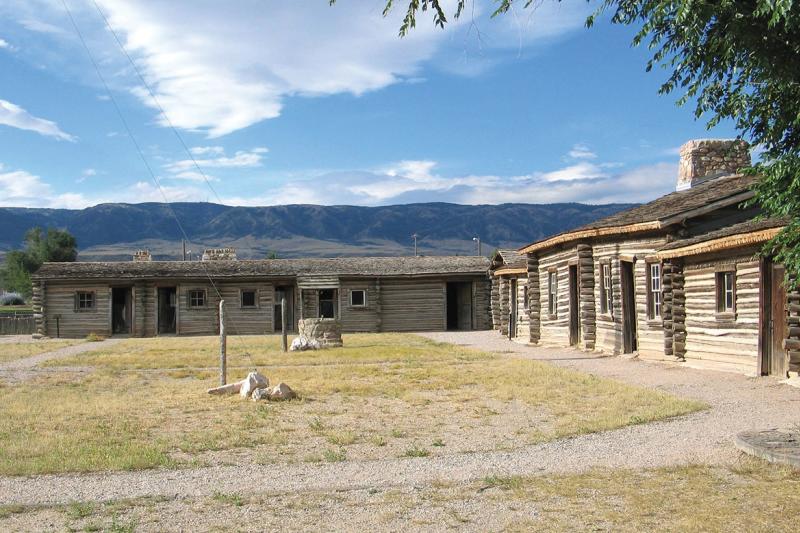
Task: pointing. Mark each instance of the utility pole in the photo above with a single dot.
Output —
(284, 340)
(184, 248)
(480, 248)
(415, 244)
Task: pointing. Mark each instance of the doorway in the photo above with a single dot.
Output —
(513, 306)
(574, 304)
(459, 306)
(121, 312)
(327, 303)
(284, 291)
(774, 359)
(630, 340)
(167, 310)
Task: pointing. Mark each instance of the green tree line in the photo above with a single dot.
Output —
(40, 246)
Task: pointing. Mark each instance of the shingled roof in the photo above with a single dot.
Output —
(342, 266)
(746, 233)
(511, 259)
(662, 212)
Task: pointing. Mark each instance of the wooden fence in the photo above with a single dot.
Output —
(17, 325)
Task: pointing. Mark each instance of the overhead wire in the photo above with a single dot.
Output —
(138, 148)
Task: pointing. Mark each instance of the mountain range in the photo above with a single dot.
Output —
(115, 231)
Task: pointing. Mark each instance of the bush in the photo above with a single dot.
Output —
(94, 337)
(12, 298)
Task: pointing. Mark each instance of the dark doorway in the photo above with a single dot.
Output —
(574, 305)
(284, 291)
(513, 307)
(121, 312)
(774, 359)
(459, 306)
(167, 305)
(629, 338)
(327, 303)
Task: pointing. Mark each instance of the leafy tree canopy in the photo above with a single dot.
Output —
(737, 60)
(40, 246)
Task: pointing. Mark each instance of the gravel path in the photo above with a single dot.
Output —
(737, 402)
(23, 369)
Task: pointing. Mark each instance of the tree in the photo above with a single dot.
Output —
(40, 246)
(737, 60)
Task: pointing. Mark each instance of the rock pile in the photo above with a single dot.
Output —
(316, 333)
(256, 387)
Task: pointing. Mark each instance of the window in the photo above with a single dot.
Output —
(358, 298)
(552, 292)
(726, 296)
(197, 298)
(84, 301)
(653, 290)
(249, 298)
(606, 290)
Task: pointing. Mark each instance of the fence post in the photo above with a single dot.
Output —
(284, 340)
(223, 348)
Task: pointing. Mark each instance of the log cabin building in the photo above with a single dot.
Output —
(510, 294)
(679, 278)
(145, 298)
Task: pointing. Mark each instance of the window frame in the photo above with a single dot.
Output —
(350, 298)
(190, 300)
(552, 293)
(655, 295)
(77, 301)
(255, 299)
(606, 289)
(722, 292)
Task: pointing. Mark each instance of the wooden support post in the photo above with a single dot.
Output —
(223, 348)
(284, 340)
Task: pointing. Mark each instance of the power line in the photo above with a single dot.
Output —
(139, 149)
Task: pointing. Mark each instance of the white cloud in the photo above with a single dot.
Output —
(87, 173)
(16, 117)
(581, 151)
(4, 44)
(220, 68)
(187, 168)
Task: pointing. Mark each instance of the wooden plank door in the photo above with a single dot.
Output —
(512, 304)
(778, 360)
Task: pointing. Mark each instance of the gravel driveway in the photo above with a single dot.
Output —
(23, 369)
(737, 402)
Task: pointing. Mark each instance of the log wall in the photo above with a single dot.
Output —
(481, 303)
(554, 329)
(248, 321)
(356, 319)
(586, 280)
(523, 332)
(413, 304)
(60, 301)
(650, 333)
(792, 343)
(505, 307)
(720, 338)
(495, 302)
(534, 299)
(198, 320)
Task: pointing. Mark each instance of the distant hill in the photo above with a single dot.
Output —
(114, 231)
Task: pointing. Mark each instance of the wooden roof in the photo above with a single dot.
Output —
(509, 259)
(340, 266)
(746, 233)
(662, 212)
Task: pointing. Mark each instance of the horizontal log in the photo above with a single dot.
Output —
(794, 331)
(791, 344)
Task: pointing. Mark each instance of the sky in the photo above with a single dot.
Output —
(267, 102)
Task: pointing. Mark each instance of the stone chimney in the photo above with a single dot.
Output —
(219, 254)
(705, 159)
(142, 255)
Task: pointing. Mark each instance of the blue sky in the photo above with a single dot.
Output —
(298, 102)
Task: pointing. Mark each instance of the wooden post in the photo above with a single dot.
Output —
(223, 348)
(284, 341)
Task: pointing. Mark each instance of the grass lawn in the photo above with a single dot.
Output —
(749, 496)
(382, 395)
(17, 308)
(12, 351)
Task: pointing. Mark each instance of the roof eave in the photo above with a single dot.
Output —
(721, 244)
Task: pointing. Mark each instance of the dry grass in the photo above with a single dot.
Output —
(750, 496)
(381, 396)
(11, 352)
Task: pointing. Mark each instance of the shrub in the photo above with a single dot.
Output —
(12, 298)
(94, 337)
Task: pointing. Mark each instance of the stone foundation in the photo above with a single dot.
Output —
(327, 331)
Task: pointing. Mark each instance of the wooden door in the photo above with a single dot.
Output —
(777, 363)
(513, 307)
(465, 306)
(574, 305)
(629, 337)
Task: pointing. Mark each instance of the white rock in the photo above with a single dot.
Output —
(260, 394)
(301, 344)
(281, 391)
(230, 388)
(253, 381)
